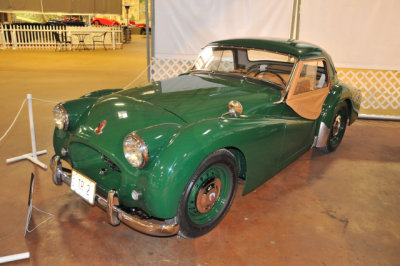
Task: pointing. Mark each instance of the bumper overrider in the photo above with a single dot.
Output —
(110, 205)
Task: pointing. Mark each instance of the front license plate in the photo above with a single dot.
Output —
(83, 186)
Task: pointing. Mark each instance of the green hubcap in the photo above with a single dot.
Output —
(209, 193)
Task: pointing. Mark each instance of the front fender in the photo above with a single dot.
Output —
(258, 138)
(76, 108)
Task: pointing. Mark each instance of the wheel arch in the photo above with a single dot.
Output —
(240, 161)
(349, 108)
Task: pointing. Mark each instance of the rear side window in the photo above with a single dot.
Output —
(260, 55)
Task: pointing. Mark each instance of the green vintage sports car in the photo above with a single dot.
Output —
(165, 158)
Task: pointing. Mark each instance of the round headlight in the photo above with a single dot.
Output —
(135, 150)
(60, 117)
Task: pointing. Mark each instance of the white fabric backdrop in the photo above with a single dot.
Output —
(357, 34)
(183, 27)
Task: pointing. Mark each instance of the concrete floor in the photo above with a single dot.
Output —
(341, 208)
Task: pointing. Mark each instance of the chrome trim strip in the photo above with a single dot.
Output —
(323, 135)
(115, 214)
(379, 117)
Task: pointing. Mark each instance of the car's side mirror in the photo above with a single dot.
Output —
(235, 109)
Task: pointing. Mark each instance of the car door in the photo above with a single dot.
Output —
(307, 93)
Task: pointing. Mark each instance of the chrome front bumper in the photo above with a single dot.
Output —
(110, 205)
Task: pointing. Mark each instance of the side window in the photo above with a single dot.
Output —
(322, 76)
(313, 76)
(221, 61)
(213, 61)
(226, 63)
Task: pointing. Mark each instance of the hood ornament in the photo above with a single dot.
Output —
(99, 129)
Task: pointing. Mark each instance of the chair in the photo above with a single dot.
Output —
(61, 40)
(100, 38)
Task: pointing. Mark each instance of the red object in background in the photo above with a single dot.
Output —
(133, 24)
(73, 19)
(105, 21)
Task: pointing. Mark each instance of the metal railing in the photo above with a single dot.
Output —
(42, 37)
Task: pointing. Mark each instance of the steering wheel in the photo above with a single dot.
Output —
(253, 68)
(268, 71)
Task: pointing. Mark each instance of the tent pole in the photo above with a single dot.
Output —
(295, 25)
(153, 18)
(147, 39)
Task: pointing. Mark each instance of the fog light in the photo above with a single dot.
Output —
(64, 151)
(135, 195)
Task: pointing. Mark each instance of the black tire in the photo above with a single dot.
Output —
(208, 195)
(338, 128)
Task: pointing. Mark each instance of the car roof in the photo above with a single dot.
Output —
(301, 50)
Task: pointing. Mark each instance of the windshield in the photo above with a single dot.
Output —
(264, 65)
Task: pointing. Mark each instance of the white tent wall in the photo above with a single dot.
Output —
(361, 36)
(363, 39)
(183, 27)
(357, 34)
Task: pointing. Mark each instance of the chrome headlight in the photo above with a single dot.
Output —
(135, 150)
(60, 117)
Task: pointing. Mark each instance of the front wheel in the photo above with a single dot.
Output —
(208, 195)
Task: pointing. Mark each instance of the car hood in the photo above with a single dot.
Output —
(192, 97)
(184, 99)
(120, 113)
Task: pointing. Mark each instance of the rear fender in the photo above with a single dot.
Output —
(340, 93)
(328, 108)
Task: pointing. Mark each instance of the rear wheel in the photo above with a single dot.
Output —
(338, 128)
(208, 195)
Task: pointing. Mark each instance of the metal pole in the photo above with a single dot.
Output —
(298, 20)
(153, 18)
(20, 256)
(295, 25)
(32, 126)
(147, 40)
(33, 157)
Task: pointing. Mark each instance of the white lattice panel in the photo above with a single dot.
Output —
(380, 88)
(168, 68)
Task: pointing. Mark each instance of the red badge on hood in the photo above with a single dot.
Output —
(99, 129)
